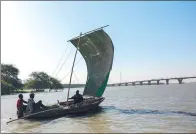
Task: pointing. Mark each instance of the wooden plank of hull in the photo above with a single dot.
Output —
(59, 112)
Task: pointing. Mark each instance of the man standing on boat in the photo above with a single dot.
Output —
(77, 97)
(32, 106)
(20, 107)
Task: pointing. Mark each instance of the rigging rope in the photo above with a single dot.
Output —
(70, 70)
(63, 63)
(7, 84)
(59, 61)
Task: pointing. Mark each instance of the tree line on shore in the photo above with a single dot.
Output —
(38, 80)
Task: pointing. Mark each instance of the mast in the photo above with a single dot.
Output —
(73, 67)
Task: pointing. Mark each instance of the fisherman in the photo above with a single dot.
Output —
(20, 107)
(32, 106)
(77, 97)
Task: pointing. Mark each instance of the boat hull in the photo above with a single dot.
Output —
(63, 109)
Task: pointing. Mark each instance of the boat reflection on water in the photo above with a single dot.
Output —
(96, 121)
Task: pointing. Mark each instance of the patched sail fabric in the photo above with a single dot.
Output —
(98, 51)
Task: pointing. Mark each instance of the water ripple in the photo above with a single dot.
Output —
(147, 111)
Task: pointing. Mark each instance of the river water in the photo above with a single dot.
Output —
(156, 108)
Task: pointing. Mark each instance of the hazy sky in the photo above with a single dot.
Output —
(151, 39)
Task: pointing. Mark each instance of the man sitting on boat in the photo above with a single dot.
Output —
(20, 107)
(77, 97)
(32, 106)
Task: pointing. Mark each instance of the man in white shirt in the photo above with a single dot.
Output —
(32, 106)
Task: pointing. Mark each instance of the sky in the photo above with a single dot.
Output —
(151, 39)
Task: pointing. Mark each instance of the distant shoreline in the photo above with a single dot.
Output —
(77, 86)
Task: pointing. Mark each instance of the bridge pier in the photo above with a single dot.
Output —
(180, 80)
(141, 82)
(133, 83)
(158, 82)
(149, 82)
(119, 84)
(126, 84)
(167, 81)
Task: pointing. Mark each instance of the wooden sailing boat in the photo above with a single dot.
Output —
(97, 49)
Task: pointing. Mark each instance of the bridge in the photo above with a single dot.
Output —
(133, 83)
(142, 82)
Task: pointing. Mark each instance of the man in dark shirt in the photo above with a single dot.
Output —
(20, 107)
(77, 97)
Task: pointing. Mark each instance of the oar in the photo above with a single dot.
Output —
(33, 114)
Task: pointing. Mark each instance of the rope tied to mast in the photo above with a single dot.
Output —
(59, 61)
